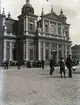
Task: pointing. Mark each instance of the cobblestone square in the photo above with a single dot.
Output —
(35, 86)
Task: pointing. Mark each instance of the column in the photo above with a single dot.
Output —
(39, 51)
(65, 51)
(49, 27)
(61, 30)
(43, 27)
(70, 49)
(56, 29)
(26, 25)
(11, 54)
(4, 50)
(24, 52)
(50, 50)
(57, 53)
(27, 50)
(44, 50)
(35, 24)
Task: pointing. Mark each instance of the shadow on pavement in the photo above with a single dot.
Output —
(52, 76)
(76, 72)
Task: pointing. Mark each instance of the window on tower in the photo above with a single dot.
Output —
(46, 28)
(31, 26)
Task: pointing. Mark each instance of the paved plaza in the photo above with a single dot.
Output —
(36, 87)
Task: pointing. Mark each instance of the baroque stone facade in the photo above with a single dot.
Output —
(30, 39)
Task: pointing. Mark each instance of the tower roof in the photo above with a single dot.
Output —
(62, 15)
(27, 8)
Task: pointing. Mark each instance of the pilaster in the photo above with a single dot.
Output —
(26, 25)
(57, 53)
(65, 51)
(44, 50)
(11, 55)
(39, 51)
(27, 50)
(4, 57)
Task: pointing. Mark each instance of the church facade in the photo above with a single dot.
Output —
(31, 39)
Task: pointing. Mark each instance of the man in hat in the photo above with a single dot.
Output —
(62, 67)
(52, 64)
(69, 65)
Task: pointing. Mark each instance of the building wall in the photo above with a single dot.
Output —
(32, 45)
(76, 53)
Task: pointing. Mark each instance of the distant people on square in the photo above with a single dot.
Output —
(28, 64)
(69, 65)
(42, 63)
(62, 67)
(52, 64)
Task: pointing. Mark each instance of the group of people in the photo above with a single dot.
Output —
(5, 64)
(62, 64)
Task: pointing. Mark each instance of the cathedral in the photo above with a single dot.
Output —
(28, 38)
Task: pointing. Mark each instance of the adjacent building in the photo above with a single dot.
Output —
(31, 39)
(76, 53)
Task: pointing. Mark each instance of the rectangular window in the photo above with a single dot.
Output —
(31, 26)
(46, 28)
(31, 54)
(59, 30)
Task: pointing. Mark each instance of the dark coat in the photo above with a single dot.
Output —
(69, 62)
(52, 63)
(62, 64)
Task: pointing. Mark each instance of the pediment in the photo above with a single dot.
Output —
(52, 16)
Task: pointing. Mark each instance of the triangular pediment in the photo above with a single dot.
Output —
(52, 16)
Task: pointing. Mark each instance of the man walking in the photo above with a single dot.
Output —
(6, 64)
(62, 67)
(69, 65)
(51, 65)
(42, 64)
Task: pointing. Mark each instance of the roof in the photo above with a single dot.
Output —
(75, 46)
(10, 25)
(52, 16)
(27, 5)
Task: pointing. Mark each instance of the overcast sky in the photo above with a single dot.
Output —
(71, 9)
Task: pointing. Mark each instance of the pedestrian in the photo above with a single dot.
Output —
(62, 67)
(28, 64)
(69, 65)
(6, 64)
(42, 63)
(51, 65)
(18, 64)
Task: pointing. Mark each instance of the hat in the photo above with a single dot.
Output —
(70, 54)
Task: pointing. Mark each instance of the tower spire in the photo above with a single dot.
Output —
(61, 11)
(3, 11)
(42, 12)
(52, 9)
